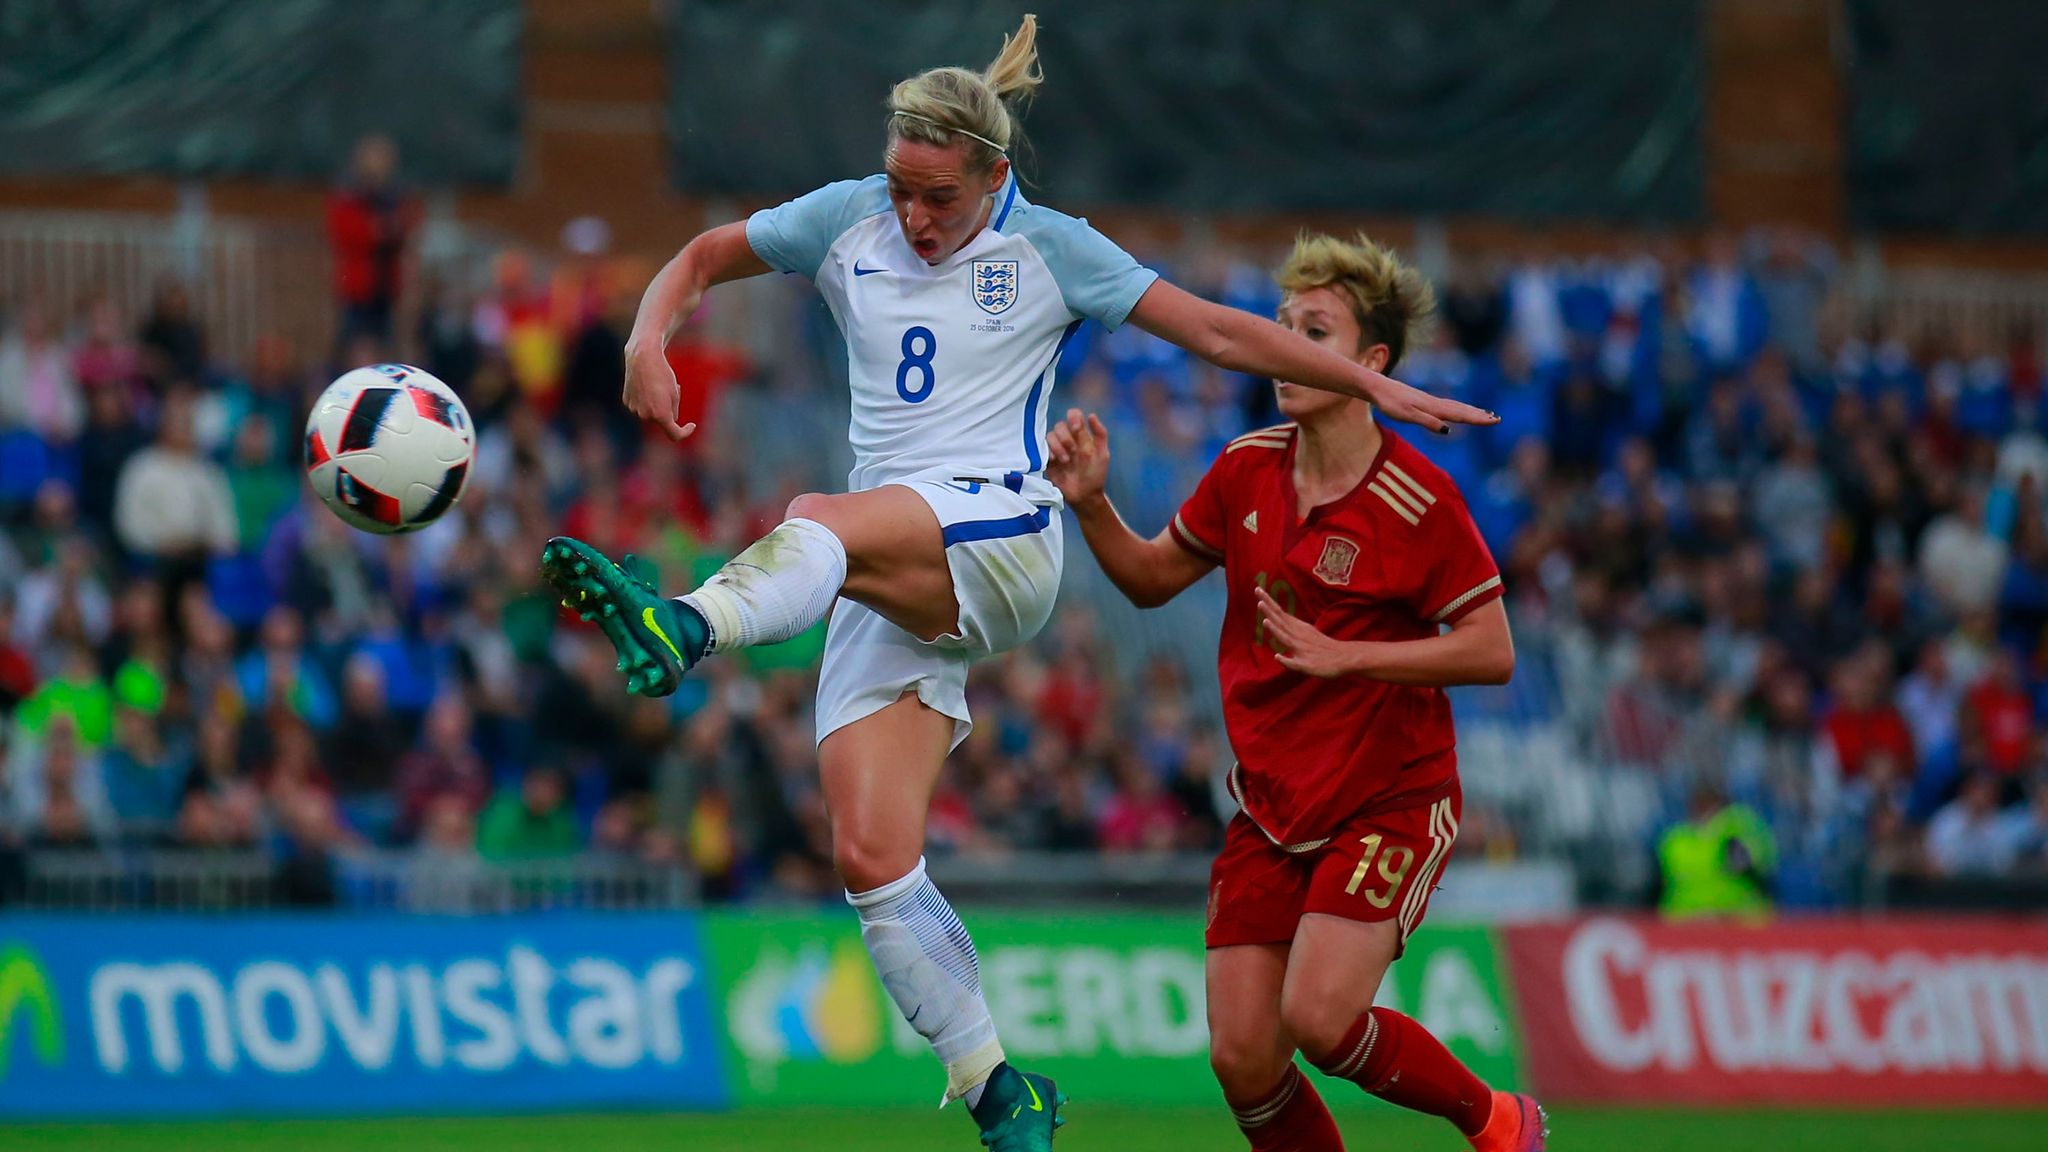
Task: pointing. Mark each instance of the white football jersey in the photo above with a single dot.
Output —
(951, 364)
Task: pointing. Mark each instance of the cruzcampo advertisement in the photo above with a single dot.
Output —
(1110, 1006)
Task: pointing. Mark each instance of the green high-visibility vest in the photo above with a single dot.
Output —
(1698, 878)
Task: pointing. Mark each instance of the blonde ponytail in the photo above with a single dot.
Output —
(1014, 74)
(940, 105)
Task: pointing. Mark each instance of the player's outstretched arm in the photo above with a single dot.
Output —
(1235, 339)
(1477, 650)
(1148, 572)
(714, 257)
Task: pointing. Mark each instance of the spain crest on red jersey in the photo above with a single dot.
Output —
(1338, 557)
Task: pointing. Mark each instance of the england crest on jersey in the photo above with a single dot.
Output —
(995, 285)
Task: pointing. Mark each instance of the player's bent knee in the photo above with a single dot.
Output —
(809, 506)
(1246, 1070)
(1316, 1024)
(865, 865)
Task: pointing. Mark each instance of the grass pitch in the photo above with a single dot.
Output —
(1103, 1129)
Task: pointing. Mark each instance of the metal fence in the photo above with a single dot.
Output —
(173, 880)
(181, 880)
(244, 278)
(415, 882)
(117, 881)
(253, 277)
(1991, 307)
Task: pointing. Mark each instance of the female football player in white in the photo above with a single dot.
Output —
(956, 296)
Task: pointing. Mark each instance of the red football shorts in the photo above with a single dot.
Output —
(1379, 866)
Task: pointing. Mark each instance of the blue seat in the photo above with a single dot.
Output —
(239, 588)
(410, 678)
(24, 464)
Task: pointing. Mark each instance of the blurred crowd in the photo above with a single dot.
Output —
(1760, 554)
(1777, 557)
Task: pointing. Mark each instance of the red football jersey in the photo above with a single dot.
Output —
(1390, 560)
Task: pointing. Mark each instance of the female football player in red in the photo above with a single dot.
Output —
(1359, 589)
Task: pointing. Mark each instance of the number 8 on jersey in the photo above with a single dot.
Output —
(916, 359)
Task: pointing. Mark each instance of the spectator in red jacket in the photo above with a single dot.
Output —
(1864, 722)
(369, 220)
(1999, 709)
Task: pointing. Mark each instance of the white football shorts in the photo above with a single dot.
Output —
(1004, 545)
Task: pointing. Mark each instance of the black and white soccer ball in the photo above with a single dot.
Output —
(389, 448)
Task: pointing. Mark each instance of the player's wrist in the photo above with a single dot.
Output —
(1377, 386)
(1090, 505)
(1361, 658)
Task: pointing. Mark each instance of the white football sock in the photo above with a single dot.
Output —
(782, 584)
(927, 963)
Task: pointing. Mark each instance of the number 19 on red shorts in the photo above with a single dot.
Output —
(1380, 866)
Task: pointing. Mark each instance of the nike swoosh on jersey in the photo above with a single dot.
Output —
(860, 271)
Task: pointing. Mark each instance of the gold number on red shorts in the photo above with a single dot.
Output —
(1390, 872)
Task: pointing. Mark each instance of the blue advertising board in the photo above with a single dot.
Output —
(160, 1015)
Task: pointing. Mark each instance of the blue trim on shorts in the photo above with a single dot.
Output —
(1014, 481)
(1003, 529)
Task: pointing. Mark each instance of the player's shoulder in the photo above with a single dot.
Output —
(1411, 484)
(1096, 277)
(798, 235)
(862, 200)
(1058, 238)
(1257, 450)
(1017, 215)
(1402, 453)
(870, 192)
(1263, 442)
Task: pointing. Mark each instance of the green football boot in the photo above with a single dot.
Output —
(1019, 1111)
(657, 639)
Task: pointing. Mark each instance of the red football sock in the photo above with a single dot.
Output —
(1290, 1118)
(1397, 1060)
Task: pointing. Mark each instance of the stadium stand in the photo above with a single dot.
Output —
(1765, 530)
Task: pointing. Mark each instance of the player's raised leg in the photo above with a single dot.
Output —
(880, 547)
(878, 774)
(1275, 1106)
(1326, 1004)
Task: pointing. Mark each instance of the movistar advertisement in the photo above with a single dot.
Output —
(170, 1015)
(163, 1015)
(1113, 1005)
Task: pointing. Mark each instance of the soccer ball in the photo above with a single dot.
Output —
(388, 448)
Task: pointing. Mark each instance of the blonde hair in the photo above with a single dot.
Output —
(940, 105)
(1391, 301)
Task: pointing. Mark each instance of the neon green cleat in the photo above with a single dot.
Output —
(1019, 1111)
(657, 639)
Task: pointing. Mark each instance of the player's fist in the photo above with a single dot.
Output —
(651, 392)
(1077, 451)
